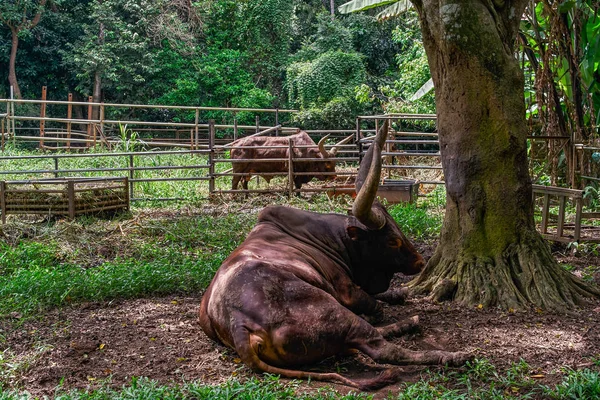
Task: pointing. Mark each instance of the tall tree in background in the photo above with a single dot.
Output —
(490, 252)
(20, 16)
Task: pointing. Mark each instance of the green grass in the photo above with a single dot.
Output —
(577, 385)
(479, 380)
(416, 221)
(60, 265)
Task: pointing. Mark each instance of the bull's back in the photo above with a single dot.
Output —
(252, 280)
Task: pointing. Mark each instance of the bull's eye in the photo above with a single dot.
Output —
(395, 243)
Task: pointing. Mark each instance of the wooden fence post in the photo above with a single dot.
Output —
(257, 123)
(359, 143)
(290, 168)
(71, 198)
(235, 128)
(3, 200)
(127, 192)
(102, 123)
(545, 212)
(196, 137)
(42, 116)
(578, 206)
(131, 165)
(277, 120)
(69, 116)
(211, 156)
(56, 167)
(89, 127)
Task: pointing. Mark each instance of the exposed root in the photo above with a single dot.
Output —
(524, 275)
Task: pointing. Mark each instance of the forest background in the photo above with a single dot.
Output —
(224, 53)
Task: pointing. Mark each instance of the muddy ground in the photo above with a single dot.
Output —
(88, 345)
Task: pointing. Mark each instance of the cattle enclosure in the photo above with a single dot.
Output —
(194, 151)
(172, 153)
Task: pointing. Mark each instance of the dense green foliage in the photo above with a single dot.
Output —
(225, 53)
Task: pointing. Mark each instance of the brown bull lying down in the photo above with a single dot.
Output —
(292, 292)
(251, 148)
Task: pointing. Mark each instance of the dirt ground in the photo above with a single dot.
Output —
(98, 343)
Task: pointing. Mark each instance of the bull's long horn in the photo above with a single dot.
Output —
(366, 186)
(334, 149)
(322, 147)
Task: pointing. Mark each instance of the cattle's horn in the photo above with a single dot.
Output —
(322, 147)
(366, 186)
(334, 149)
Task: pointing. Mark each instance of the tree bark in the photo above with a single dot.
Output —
(490, 252)
(12, 69)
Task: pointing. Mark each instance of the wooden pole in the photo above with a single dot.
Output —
(3, 200)
(290, 168)
(3, 133)
(561, 216)
(358, 141)
(578, 206)
(102, 122)
(69, 116)
(131, 165)
(71, 197)
(89, 127)
(235, 128)
(43, 115)
(127, 192)
(197, 136)
(257, 123)
(277, 120)
(211, 156)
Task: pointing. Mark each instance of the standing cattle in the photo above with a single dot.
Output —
(292, 292)
(314, 159)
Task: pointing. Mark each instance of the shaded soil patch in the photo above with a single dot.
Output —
(95, 344)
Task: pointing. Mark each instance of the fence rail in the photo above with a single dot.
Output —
(208, 140)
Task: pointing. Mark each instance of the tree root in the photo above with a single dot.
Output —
(524, 275)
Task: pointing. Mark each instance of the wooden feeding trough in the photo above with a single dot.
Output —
(399, 191)
(64, 196)
(394, 191)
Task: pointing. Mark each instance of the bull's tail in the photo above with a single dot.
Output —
(248, 353)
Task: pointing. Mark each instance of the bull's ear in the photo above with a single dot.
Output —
(356, 233)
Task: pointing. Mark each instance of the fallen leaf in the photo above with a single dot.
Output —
(538, 376)
(91, 378)
(174, 302)
(237, 360)
(181, 359)
(480, 306)
(102, 345)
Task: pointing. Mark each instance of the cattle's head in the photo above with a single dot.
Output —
(328, 163)
(384, 247)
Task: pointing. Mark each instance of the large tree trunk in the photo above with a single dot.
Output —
(490, 252)
(12, 69)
